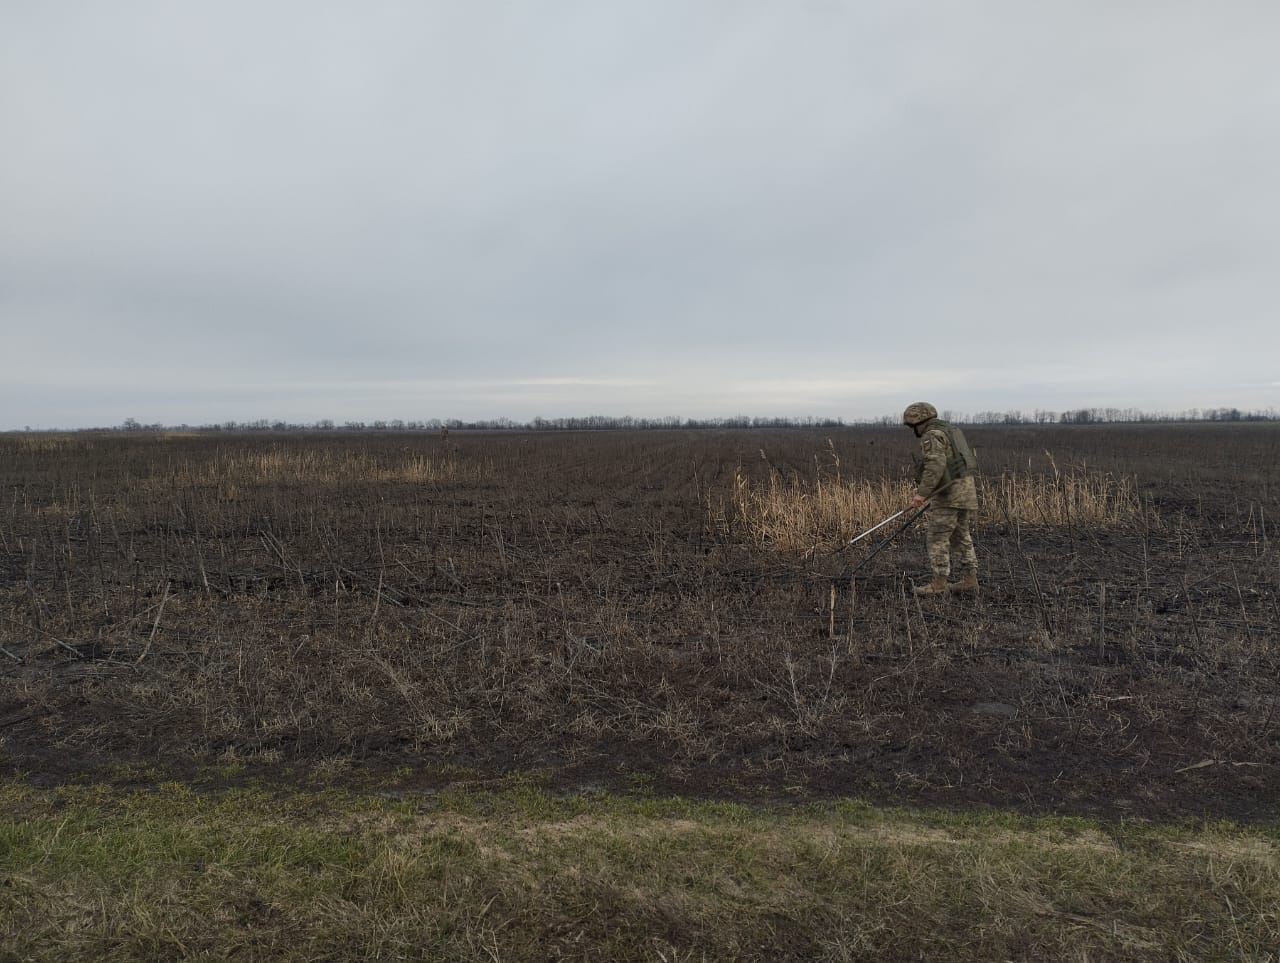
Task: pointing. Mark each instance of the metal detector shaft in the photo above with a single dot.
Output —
(874, 527)
(936, 492)
(898, 531)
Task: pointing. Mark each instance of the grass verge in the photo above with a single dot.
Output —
(103, 874)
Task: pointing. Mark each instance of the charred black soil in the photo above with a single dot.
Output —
(588, 609)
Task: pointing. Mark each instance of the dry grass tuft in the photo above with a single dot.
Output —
(798, 515)
(1077, 497)
(235, 469)
(35, 443)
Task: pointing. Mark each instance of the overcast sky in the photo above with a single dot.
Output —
(307, 209)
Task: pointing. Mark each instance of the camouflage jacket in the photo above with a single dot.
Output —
(944, 474)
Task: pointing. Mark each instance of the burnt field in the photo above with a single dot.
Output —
(648, 610)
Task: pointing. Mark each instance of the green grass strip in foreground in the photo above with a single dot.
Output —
(260, 875)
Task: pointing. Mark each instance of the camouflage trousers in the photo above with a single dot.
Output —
(947, 534)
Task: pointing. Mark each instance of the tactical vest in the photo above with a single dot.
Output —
(962, 463)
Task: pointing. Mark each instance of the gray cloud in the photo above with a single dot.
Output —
(306, 210)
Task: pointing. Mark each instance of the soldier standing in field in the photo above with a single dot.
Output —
(945, 481)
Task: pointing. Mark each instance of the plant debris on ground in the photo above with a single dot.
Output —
(667, 609)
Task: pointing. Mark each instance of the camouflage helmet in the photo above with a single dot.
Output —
(918, 413)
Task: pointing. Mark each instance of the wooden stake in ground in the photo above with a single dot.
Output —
(831, 614)
(155, 625)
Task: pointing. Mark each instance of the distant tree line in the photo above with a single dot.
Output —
(575, 423)
(1077, 416)
(1098, 416)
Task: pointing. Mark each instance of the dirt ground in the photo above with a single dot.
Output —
(593, 611)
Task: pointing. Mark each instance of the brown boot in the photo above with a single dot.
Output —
(968, 583)
(937, 587)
